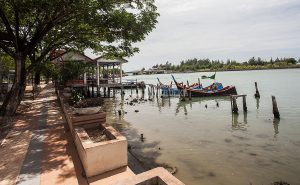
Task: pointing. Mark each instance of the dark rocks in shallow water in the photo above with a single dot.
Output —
(131, 103)
(135, 100)
(228, 140)
(280, 183)
(142, 137)
(252, 154)
(211, 174)
(136, 111)
(206, 106)
(125, 112)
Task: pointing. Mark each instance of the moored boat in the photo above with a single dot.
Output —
(215, 89)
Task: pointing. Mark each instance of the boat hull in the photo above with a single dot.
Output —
(206, 91)
(227, 91)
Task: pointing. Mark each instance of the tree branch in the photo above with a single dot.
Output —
(6, 23)
(17, 28)
(5, 36)
(7, 50)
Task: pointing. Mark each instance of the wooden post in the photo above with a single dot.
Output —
(92, 90)
(189, 92)
(244, 103)
(184, 93)
(257, 95)
(153, 92)
(131, 89)
(122, 90)
(234, 105)
(98, 79)
(275, 108)
(149, 93)
(157, 91)
(199, 82)
(136, 87)
(143, 91)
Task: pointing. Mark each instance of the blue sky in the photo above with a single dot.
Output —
(221, 29)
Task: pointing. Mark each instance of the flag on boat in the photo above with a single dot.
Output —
(211, 77)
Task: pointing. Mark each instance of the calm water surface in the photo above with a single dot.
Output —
(211, 146)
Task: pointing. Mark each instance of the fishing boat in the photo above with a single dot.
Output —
(215, 89)
(168, 89)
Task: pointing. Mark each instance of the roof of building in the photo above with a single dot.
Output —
(71, 56)
(104, 61)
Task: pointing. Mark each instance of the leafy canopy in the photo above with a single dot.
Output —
(107, 26)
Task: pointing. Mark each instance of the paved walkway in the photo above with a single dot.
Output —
(38, 150)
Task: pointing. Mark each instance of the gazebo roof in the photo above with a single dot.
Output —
(103, 61)
(71, 56)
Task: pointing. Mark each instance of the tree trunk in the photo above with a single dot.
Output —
(37, 78)
(15, 95)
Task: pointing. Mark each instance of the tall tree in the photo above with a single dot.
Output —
(110, 26)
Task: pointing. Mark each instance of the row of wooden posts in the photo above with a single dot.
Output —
(235, 109)
(185, 93)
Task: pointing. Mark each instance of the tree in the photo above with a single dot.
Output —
(107, 27)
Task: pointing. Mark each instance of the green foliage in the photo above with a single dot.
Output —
(76, 97)
(35, 27)
(191, 65)
(6, 63)
(72, 70)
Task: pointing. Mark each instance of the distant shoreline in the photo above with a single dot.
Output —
(224, 70)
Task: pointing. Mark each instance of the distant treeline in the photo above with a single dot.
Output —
(207, 64)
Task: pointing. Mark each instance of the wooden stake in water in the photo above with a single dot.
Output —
(244, 103)
(149, 93)
(257, 95)
(184, 93)
(157, 91)
(234, 105)
(189, 92)
(275, 108)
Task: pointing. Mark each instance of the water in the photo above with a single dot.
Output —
(212, 146)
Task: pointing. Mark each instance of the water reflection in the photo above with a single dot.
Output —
(206, 100)
(257, 103)
(239, 125)
(276, 125)
(162, 102)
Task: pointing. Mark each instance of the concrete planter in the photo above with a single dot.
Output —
(156, 176)
(87, 110)
(104, 156)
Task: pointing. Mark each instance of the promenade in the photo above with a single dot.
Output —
(38, 149)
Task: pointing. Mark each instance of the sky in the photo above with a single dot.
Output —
(220, 29)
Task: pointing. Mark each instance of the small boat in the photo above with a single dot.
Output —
(215, 89)
(168, 89)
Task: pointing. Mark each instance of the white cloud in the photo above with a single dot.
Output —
(236, 29)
